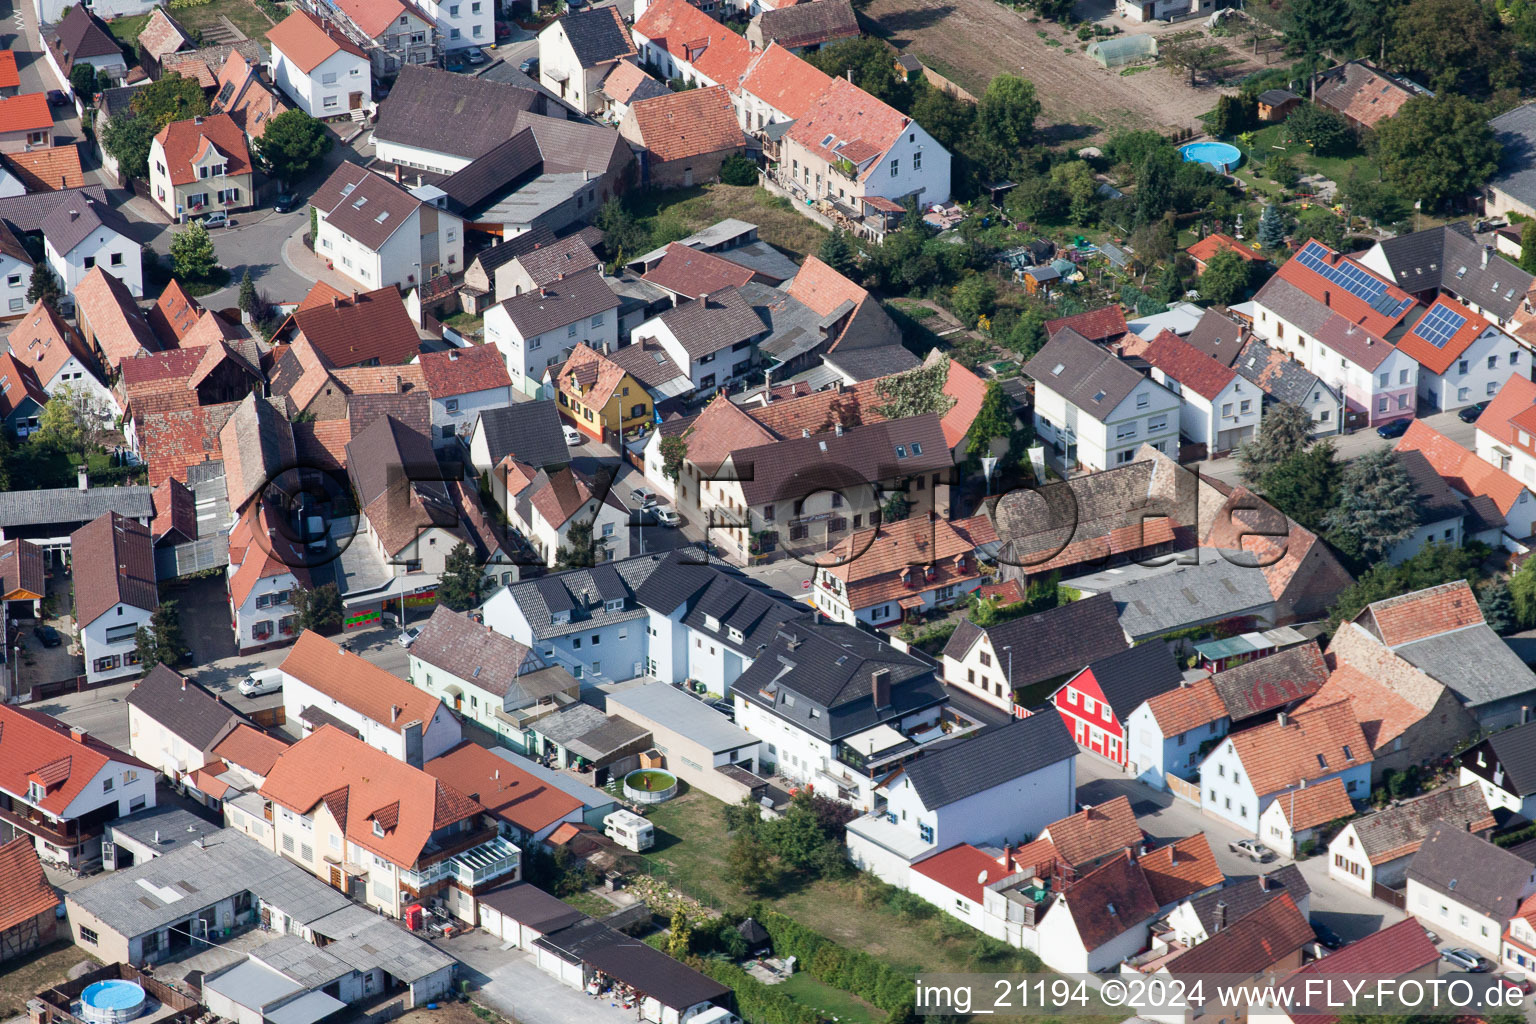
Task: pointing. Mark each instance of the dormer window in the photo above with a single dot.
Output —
(711, 623)
(614, 605)
(561, 616)
(736, 635)
(35, 792)
(378, 829)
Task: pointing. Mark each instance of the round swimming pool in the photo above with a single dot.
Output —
(111, 1002)
(650, 786)
(1218, 156)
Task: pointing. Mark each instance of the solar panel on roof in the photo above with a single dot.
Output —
(1352, 279)
(1439, 326)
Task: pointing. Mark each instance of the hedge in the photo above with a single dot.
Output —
(851, 970)
(755, 1002)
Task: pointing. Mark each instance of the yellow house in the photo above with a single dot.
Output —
(600, 397)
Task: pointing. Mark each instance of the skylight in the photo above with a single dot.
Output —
(382, 217)
(1057, 371)
(362, 201)
(1098, 396)
(917, 448)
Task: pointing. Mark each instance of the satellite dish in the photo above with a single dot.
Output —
(981, 879)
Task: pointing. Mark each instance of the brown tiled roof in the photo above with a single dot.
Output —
(562, 496)
(175, 511)
(1095, 832)
(114, 560)
(176, 438)
(24, 890)
(1252, 945)
(245, 96)
(358, 684)
(1360, 92)
(1187, 707)
(464, 371)
(204, 64)
(689, 34)
(720, 429)
(350, 331)
(1110, 901)
(185, 141)
(504, 789)
(687, 124)
(1181, 869)
(1187, 365)
(1271, 682)
(308, 41)
(470, 650)
(782, 80)
(693, 272)
(1397, 831)
(1383, 713)
(161, 35)
(809, 24)
(1423, 613)
(365, 206)
(322, 444)
(249, 748)
(48, 170)
(21, 570)
(119, 329)
(628, 81)
(174, 314)
(257, 446)
(369, 786)
(872, 561)
(1104, 324)
(1316, 805)
(1277, 755)
(45, 342)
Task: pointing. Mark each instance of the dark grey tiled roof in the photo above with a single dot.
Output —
(527, 904)
(1471, 871)
(1515, 750)
(495, 172)
(560, 303)
(364, 205)
(568, 255)
(1050, 643)
(1135, 674)
(72, 505)
(460, 646)
(1394, 828)
(505, 252)
(577, 591)
(183, 708)
(723, 596)
(528, 431)
(762, 258)
(75, 216)
(1477, 665)
(860, 364)
(1089, 377)
(1285, 380)
(1244, 897)
(990, 758)
(793, 327)
(1436, 501)
(597, 35)
(1450, 257)
(26, 213)
(713, 322)
(1516, 132)
(455, 114)
(797, 466)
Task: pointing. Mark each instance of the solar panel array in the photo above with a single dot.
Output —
(1370, 290)
(1439, 325)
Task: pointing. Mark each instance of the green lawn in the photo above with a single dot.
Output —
(126, 30)
(1266, 141)
(687, 210)
(591, 904)
(247, 17)
(831, 1002)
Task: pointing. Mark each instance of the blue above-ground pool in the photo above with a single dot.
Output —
(111, 1002)
(1218, 156)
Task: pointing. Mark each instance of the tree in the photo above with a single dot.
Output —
(317, 608)
(837, 252)
(249, 303)
(1305, 485)
(737, 169)
(1055, 10)
(1374, 200)
(1522, 588)
(1028, 334)
(1315, 29)
(623, 234)
(1076, 180)
(1005, 115)
(1378, 507)
(1154, 185)
(192, 254)
(1528, 247)
(896, 507)
(1233, 115)
(169, 98)
(973, 298)
(949, 120)
(82, 81)
(871, 62)
(915, 392)
(463, 582)
(74, 421)
(993, 420)
(1497, 605)
(678, 935)
(577, 552)
(1225, 278)
(749, 864)
(1319, 128)
(1190, 52)
(1271, 232)
(128, 139)
(43, 286)
(1285, 430)
(1453, 45)
(161, 642)
(292, 145)
(674, 449)
(1437, 148)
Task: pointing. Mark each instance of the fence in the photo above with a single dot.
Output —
(1396, 897)
(1185, 790)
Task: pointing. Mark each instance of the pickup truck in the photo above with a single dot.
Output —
(1249, 848)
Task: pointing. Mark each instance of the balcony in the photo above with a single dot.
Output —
(59, 833)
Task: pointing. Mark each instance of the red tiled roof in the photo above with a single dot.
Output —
(26, 113)
(174, 314)
(175, 509)
(358, 684)
(1100, 325)
(173, 439)
(690, 35)
(504, 789)
(1181, 869)
(37, 747)
(786, 83)
(308, 41)
(1383, 713)
(1423, 613)
(1186, 364)
(693, 272)
(10, 77)
(1316, 805)
(369, 785)
(48, 170)
(1187, 707)
(1005, 593)
(119, 330)
(1439, 359)
(862, 128)
(249, 748)
(262, 551)
(24, 889)
(1278, 755)
(1110, 901)
(1252, 945)
(822, 288)
(1094, 832)
(962, 869)
(1210, 245)
(872, 561)
(463, 371)
(185, 141)
(1348, 308)
(45, 342)
(1516, 397)
(374, 16)
(18, 381)
(358, 329)
(1461, 469)
(691, 123)
(1392, 952)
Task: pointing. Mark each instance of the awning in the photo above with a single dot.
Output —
(883, 204)
(910, 602)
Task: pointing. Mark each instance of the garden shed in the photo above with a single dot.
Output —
(1119, 51)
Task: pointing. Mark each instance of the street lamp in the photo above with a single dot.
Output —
(1009, 649)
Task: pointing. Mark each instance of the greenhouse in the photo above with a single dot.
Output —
(1121, 50)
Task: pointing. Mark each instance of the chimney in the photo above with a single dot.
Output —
(1219, 919)
(399, 384)
(197, 119)
(82, 479)
(183, 684)
(1485, 256)
(880, 687)
(394, 713)
(1525, 713)
(1327, 298)
(74, 214)
(398, 175)
(542, 293)
(157, 837)
(1283, 718)
(837, 429)
(335, 302)
(78, 735)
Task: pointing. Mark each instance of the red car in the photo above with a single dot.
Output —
(503, 30)
(1516, 982)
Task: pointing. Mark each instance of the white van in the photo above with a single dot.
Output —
(629, 830)
(260, 683)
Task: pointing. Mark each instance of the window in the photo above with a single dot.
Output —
(1493, 362)
(1156, 423)
(597, 320)
(1246, 406)
(307, 852)
(1402, 376)
(1122, 457)
(1125, 431)
(1463, 394)
(121, 634)
(1493, 388)
(1226, 408)
(895, 168)
(925, 832)
(1402, 401)
(1142, 400)
(116, 259)
(452, 404)
(1461, 367)
(1514, 359)
(330, 103)
(1383, 379)
(287, 844)
(90, 261)
(329, 78)
(88, 936)
(1382, 405)
(570, 332)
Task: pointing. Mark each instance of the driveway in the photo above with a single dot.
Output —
(203, 607)
(509, 982)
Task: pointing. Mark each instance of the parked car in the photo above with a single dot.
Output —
(258, 683)
(1327, 936)
(1250, 848)
(572, 435)
(668, 516)
(1516, 982)
(47, 635)
(1464, 959)
(530, 66)
(1397, 428)
(217, 219)
(284, 202)
(1472, 412)
(408, 636)
(725, 707)
(57, 98)
(640, 498)
(503, 30)
(475, 56)
(455, 62)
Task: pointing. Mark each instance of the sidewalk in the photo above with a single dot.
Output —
(298, 258)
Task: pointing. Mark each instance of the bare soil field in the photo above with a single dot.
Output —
(970, 41)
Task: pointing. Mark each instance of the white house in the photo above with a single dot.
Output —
(318, 67)
(920, 564)
(1376, 849)
(578, 51)
(711, 338)
(1241, 775)
(1006, 783)
(1465, 888)
(683, 42)
(1218, 408)
(538, 329)
(1506, 430)
(1462, 357)
(1343, 323)
(378, 234)
(1165, 733)
(15, 275)
(1472, 477)
(57, 354)
(1101, 920)
(266, 568)
(174, 725)
(462, 383)
(1297, 818)
(385, 711)
(462, 23)
(553, 503)
(1498, 766)
(115, 592)
(62, 784)
(1095, 410)
(1283, 379)
(80, 233)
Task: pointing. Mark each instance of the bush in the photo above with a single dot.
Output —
(852, 970)
(755, 1002)
(738, 170)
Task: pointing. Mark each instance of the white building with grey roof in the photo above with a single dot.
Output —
(82, 232)
(1200, 586)
(1096, 411)
(712, 338)
(538, 329)
(48, 517)
(699, 743)
(378, 234)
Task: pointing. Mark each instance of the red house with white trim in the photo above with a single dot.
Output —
(1097, 702)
